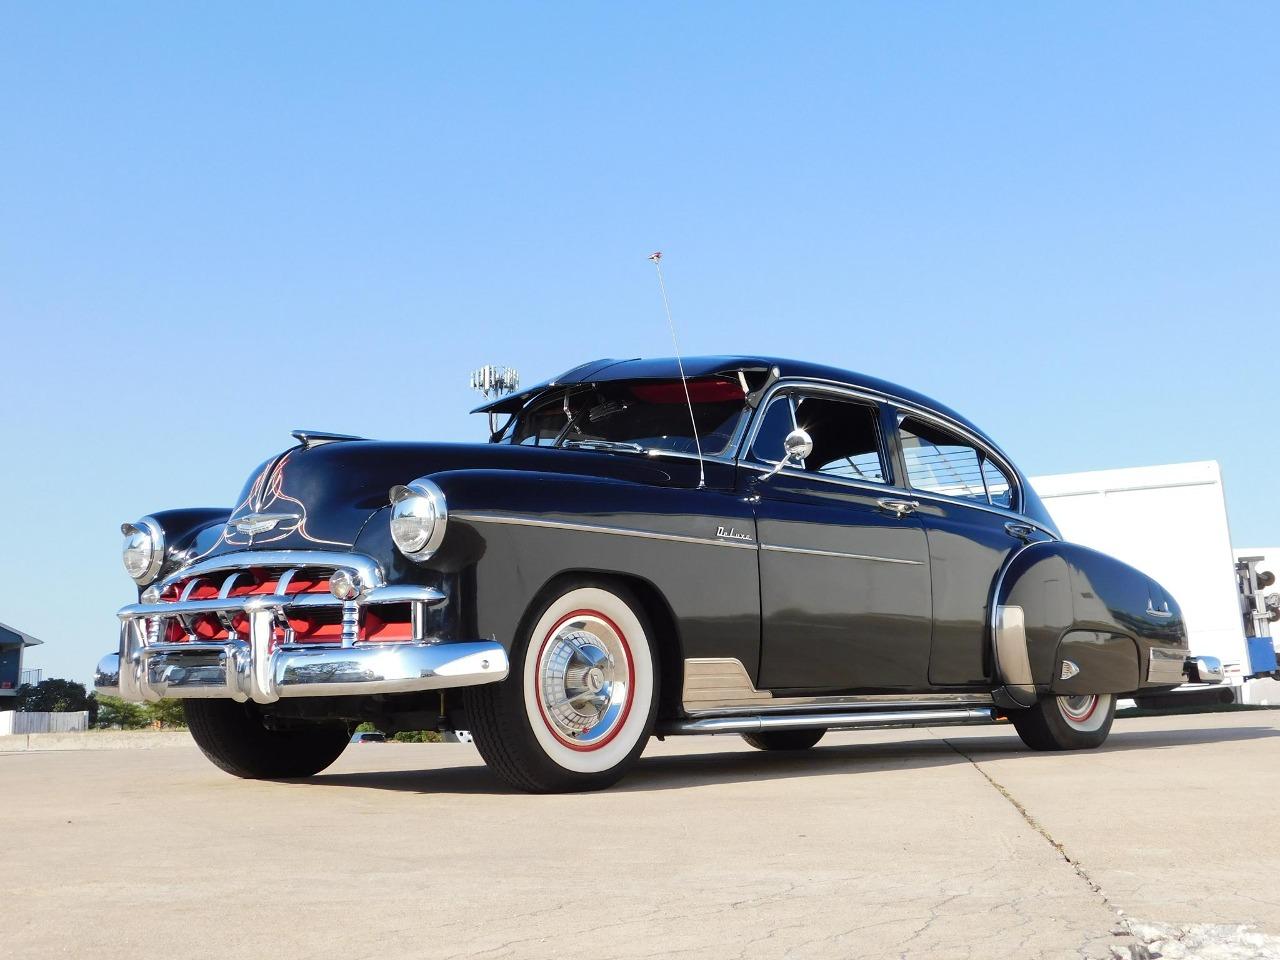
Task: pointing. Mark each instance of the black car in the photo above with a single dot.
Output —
(824, 551)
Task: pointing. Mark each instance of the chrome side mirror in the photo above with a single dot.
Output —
(798, 446)
(795, 450)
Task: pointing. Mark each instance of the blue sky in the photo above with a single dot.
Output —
(222, 222)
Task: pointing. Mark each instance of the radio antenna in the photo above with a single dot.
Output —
(656, 257)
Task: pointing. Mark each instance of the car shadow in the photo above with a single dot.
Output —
(716, 768)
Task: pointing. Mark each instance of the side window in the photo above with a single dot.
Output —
(846, 440)
(940, 462)
(999, 490)
(778, 420)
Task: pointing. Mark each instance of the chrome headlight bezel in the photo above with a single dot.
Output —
(417, 502)
(148, 532)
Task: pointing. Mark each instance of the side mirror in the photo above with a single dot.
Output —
(798, 446)
(795, 450)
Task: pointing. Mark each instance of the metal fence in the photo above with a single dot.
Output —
(49, 722)
(32, 676)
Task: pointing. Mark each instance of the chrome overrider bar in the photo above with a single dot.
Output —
(247, 668)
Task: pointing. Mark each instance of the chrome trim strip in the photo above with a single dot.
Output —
(904, 406)
(880, 489)
(721, 685)
(403, 593)
(520, 521)
(1013, 662)
(778, 548)
(994, 606)
(368, 568)
(655, 454)
(1166, 666)
(830, 721)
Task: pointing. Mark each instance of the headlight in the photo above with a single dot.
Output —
(143, 549)
(418, 518)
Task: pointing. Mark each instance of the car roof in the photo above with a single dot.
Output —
(668, 368)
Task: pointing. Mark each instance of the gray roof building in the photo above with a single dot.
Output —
(12, 643)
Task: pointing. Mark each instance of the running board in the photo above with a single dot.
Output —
(829, 721)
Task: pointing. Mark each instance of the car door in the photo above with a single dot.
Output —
(844, 565)
(967, 503)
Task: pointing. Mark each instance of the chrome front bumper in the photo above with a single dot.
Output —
(249, 669)
(230, 670)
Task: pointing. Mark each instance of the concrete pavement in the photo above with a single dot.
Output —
(924, 844)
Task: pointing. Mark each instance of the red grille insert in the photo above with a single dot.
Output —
(388, 623)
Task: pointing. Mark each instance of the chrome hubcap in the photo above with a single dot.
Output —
(584, 680)
(1079, 707)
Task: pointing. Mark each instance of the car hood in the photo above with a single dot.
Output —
(320, 497)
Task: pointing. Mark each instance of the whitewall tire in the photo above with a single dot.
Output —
(1085, 713)
(1075, 722)
(578, 706)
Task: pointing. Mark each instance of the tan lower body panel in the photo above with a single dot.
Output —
(721, 685)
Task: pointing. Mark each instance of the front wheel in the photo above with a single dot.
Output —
(578, 706)
(234, 737)
(1079, 722)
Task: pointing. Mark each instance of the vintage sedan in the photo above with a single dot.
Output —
(741, 545)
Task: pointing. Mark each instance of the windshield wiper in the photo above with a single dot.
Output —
(620, 446)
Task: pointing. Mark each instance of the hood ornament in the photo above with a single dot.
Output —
(254, 523)
(316, 438)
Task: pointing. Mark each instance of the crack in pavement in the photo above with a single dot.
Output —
(1138, 940)
(1039, 828)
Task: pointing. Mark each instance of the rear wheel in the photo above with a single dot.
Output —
(1078, 722)
(234, 737)
(784, 739)
(578, 706)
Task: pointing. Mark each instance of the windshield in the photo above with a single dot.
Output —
(636, 415)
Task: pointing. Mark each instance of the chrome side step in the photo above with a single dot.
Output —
(831, 721)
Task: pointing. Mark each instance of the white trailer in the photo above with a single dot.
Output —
(1171, 522)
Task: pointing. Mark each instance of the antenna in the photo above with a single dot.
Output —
(656, 257)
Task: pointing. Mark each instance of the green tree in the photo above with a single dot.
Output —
(167, 713)
(417, 736)
(114, 713)
(54, 695)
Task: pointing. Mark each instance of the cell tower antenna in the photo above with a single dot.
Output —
(656, 257)
(495, 381)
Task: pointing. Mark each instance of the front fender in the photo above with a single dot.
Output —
(512, 532)
(188, 533)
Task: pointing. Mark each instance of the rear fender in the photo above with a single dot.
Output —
(1057, 602)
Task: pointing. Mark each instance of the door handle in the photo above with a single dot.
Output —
(1153, 612)
(1023, 531)
(899, 508)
